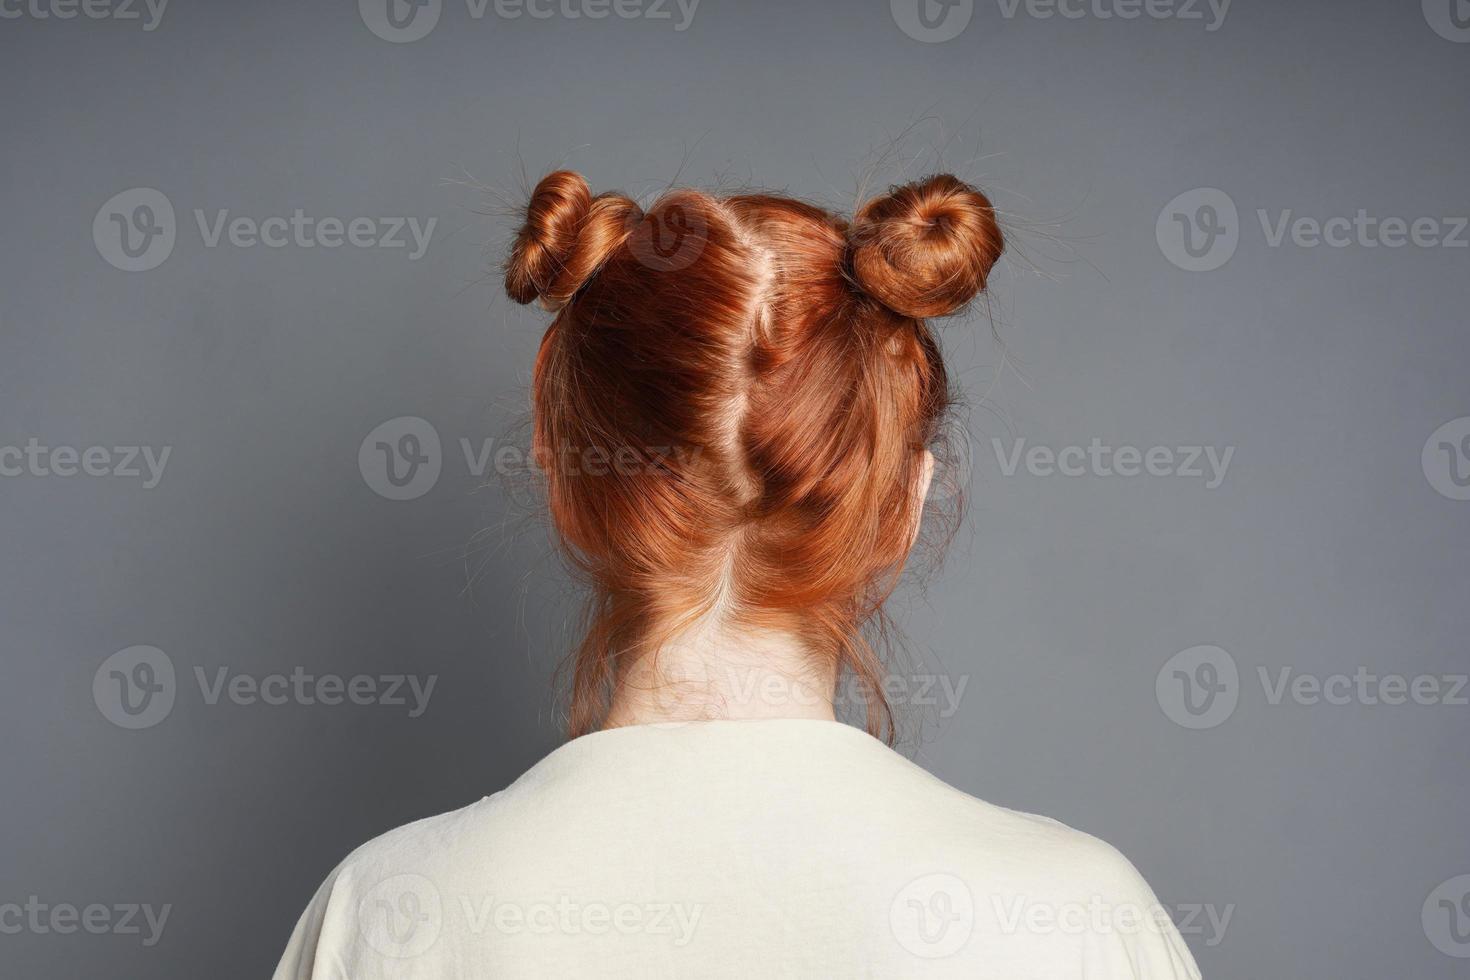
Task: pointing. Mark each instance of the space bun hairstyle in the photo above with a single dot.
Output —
(568, 234)
(730, 409)
(926, 249)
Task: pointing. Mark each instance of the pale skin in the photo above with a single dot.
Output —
(708, 672)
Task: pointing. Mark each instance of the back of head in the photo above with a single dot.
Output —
(732, 406)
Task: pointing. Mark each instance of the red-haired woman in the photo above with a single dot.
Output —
(735, 408)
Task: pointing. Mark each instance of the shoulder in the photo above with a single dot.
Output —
(1040, 852)
(413, 847)
(1064, 859)
(1077, 891)
(1033, 839)
(1040, 891)
(395, 871)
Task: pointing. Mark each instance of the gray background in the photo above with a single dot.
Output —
(1323, 828)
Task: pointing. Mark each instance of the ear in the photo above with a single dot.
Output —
(921, 493)
(926, 475)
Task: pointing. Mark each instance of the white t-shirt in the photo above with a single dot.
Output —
(773, 848)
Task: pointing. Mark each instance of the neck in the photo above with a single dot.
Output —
(708, 673)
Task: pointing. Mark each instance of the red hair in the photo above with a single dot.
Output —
(758, 382)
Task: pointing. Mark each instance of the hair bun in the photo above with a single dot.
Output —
(567, 237)
(926, 248)
(546, 240)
